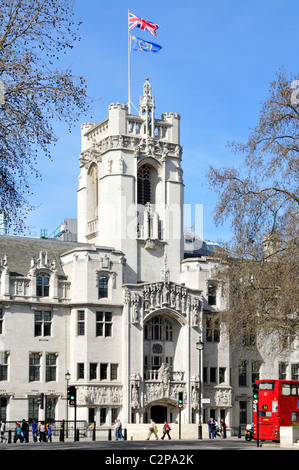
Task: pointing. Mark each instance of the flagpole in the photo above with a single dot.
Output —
(129, 65)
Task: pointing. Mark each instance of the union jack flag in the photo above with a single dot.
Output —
(142, 24)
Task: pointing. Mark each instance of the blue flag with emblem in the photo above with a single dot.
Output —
(138, 44)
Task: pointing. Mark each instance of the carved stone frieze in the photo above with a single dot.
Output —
(160, 295)
(154, 147)
(102, 395)
(220, 396)
(19, 286)
(155, 391)
(135, 380)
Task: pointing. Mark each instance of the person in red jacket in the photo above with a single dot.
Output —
(166, 430)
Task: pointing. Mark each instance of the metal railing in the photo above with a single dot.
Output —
(62, 430)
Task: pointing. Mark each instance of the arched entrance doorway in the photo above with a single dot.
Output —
(158, 413)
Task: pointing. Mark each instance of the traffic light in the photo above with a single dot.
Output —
(71, 395)
(180, 399)
(255, 391)
(40, 401)
(49, 405)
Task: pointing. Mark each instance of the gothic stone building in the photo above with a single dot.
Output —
(123, 307)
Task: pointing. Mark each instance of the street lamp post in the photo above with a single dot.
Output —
(67, 378)
(199, 347)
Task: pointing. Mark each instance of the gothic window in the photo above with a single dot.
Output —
(42, 323)
(144, 185)
(168, 332)
(213, 375)
(103, 413)
(282, 370)
(103, 371)
(80, 370)
(113, 371)
(213, 329)
(243, 419)
(34, 367)
(255, 371)
(51, 366)
(157, 328)
(3, 365)
(80, 322)
(93, 191)
(295, 371)
(42, 285)
(211, 293)
(104, 324)
(156, 362)
(3, 407)
(222, 374)
(103, 287)
(93, 368)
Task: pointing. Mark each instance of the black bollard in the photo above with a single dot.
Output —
(109, 434)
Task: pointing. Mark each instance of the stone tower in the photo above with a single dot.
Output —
(130, 194)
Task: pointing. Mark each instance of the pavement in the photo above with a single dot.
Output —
(109, 449)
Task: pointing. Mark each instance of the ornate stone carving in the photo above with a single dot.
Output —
(99, 395)
(135, 308)
(223, 397)
(135, 385)
(139, 145)
(105, 262)
(155, 296)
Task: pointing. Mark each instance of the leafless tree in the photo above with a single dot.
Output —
(34, 92)
(260, 263)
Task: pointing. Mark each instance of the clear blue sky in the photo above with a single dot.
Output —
(214, 69)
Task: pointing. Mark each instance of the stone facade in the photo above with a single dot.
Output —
(122, 308)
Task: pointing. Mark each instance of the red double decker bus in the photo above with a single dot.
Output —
(278, 405)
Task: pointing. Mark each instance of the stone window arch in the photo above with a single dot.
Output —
(93, 192)
(147, 180)
(144, 185)
(212, 293)
(42, 284)
(103, 281)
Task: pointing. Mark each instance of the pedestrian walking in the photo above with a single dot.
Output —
(49, 433)
(152, 430)
(217, 430)
(42, 432)
(18, 432)
(166, 430)
(211, 424)
(25, 431)
(223, 428)
(118, 430)
(34, 427)
(2, 431)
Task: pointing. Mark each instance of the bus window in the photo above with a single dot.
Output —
(293, 417)
(266, 385)
(288, 389)
(265, 414)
